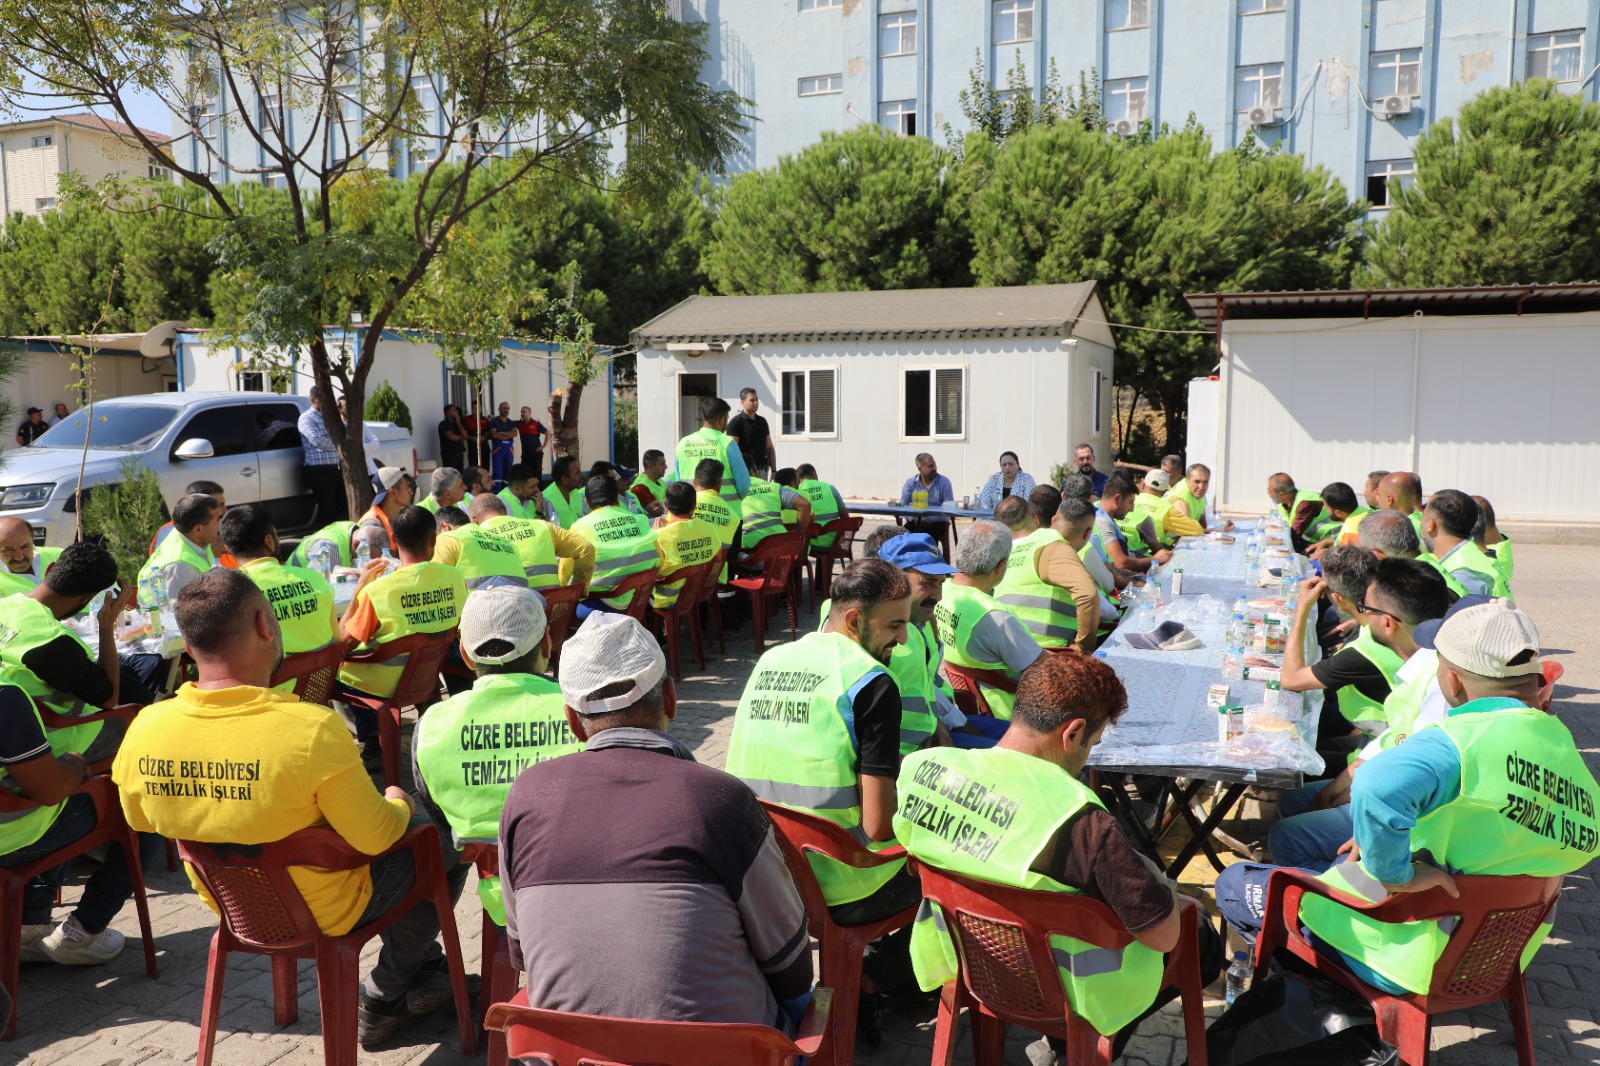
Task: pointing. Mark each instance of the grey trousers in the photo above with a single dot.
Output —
(411, 944)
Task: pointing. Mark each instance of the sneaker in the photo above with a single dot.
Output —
(1040, 1053)
(372, 755)
(377, 1020)
(69, 945)
(868, 1036)
(33, 941)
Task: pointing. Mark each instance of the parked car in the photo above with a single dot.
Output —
(246, 442)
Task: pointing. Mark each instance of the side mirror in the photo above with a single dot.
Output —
(195, 448)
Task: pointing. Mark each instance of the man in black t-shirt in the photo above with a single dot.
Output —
(754, 435)
(452, 439)
(33, 427)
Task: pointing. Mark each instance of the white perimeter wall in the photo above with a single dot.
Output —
(44, 379)
(1499, 406)
(1027, 395)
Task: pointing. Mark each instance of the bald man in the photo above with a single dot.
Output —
(1402, 491)
(24, 564)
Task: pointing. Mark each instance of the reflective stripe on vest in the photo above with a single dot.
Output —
(486, 558)
(683, 543)
(824, 509)
(1481, 570)
(420, 598)
(302, 600)
(1049, 611)
(761, 513)
(624, 545)
(707, 443)
(960, 608)
(1010, 807)
(26, 624)
(791, 744)
(909, 666)
(536, 548)
(1449, 579)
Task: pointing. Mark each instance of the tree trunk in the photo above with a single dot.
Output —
(1175, 414)
(564, 405)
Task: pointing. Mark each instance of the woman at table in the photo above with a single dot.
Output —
(927, 488)
(1009, 480)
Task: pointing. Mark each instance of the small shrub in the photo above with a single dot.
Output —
(385, 405)
(125, 515)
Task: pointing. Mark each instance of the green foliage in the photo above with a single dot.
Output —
(1506, 194)
(867, 209)
(625, 428)
(385, 405)
(994, 113)
(126, 514)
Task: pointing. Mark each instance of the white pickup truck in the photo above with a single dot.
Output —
(246, 442)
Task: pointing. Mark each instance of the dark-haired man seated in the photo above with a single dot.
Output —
(302, 599)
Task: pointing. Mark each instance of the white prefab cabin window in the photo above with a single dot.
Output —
(809, 403)
(933, 403)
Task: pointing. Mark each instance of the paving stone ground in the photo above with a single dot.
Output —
(115, 1016)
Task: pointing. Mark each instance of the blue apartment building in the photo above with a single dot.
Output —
(1349, 84)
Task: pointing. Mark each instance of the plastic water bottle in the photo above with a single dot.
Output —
(1290, 583)
(363, 555)
(143, 597)
(158, 590)
(322, 558)
(390, 563)
(1238, 977)
(1241, 611)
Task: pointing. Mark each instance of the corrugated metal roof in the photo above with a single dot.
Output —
(1395, 303)
(1013, 311)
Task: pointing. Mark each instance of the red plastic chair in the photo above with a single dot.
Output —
(766, 573)
(1002, 937)
(637, 587)
(687, 610)
(565, 1039)
(842, 551)
(1551, 672)
(843, 946)
(417, 687)
(559, 604)
(709, 600)
(1498, 916)
(123, 712)
(109, 827)
(314, 673)
(964, 683)
(263, 913)
(499, 977)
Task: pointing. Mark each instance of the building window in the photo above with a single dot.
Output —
(1125, 99)
(1396, 74)
(819, 5)
(822, 85)
(1379, 192)
(252, 381)
(1259, 7)
(1258, 86)
(158, 169)
(808, 403)
(45, 203)
(1013, 21)
(1557, 56)
(897, 34)
(934, 403)
(899, 115)
(44, 142)
(1127, 14)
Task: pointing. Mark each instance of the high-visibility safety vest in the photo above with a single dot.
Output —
(1359, 709)
(1196, 504)
(568, 508)
(173, 549)
(793, 744)
(686, 543)
(302, 599)
(988, 814)
(707, 443)
(624, 544)
(536, 549)
(430, 503)
(1502, 559)
(713, 510)
(470, 748)
(335, 533)
(486, 558)
(914, 666)
(1449, 579)
(516, 508)
(824, 509)
(420, 598)
(1304, 496)
(961, 607)
(1527, 807)
(1468, 556)
(1404, 704)
(1139, 530)
(1350, 528)
(1049, 611)
(25, 624)
(1154, 507)
(762, 513)
(43, 560)
(18, 829)
(654, 489)
(935, 650)
(1416, 523)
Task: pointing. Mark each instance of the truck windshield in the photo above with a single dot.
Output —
(115, 427)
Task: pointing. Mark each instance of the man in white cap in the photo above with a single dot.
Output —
(395, 489)
(1494, 788)
(638, 883)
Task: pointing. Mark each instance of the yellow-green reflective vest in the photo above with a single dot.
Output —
(1416, 523)
(914, 666)
(1359, 709)
(707, 443)
(792, 744)
(515, 507)
(1148, 504)
(654, 489)
(930, 641)
(824, 509)
(686, 543)
(171, 550)
(715, 512)
(470, 749)
(302, 599)
(1404, 704)
(762, 513)
(1504, 560)
(536, 549)
(1449, 579)
(1481, 571)
(988, 813)
(960, 608)
(335, 533)
(624, 544)
(1195, 504)
(18, 829)
(1139, 530)
(486, 558)
(420, 598)
(25, 624)
(568, 508)
(43, 559)
(1526, 807)
(1350, 528)
(1049, 611)
(1306, 496)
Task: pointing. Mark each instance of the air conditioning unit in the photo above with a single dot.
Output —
(1394, 107)
(1264, 116)
(1124, 127)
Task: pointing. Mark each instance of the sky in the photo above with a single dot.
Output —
(146, 108)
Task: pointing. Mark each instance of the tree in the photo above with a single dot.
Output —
(867, 209)
(125, 515)
(489, 94)
(1152, 218)
(1508, 193)
(994, 113)
(387, 406)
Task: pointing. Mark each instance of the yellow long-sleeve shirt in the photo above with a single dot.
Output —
(568, 545)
